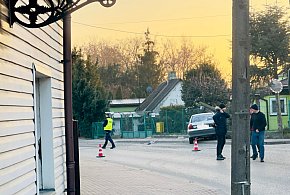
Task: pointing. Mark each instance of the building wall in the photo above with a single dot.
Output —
(272, 117)
(31, 107)
(172, 99)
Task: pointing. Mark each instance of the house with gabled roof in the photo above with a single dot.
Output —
(167, 93)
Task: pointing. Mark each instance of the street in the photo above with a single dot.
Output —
(177, 160)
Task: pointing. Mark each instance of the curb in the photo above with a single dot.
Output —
(277, 142)
(175, 140)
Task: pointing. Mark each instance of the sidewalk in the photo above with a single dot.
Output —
(99, 176)
(102, 177)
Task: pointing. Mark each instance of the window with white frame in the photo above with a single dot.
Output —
(273, 106)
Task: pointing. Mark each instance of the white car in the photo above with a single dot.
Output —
(200, 125)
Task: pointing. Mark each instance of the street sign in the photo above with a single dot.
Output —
(276, 86)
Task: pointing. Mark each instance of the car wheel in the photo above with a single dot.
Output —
(190, 140)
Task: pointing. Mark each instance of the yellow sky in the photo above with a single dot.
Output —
(194, 18)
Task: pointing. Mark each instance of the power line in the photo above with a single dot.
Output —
(162, 20)
(197, 36)
(103, 28)
(158, 35)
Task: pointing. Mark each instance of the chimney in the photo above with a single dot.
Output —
(171, 75)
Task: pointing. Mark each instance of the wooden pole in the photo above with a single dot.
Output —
(240, 172)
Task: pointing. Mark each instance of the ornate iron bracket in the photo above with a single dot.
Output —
(39, 13)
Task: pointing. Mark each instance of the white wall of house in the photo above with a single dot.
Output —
(173, 98)
(31, 109)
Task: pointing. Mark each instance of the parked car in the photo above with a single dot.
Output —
(200, 125)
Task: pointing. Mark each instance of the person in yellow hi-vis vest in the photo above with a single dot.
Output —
(108, 127)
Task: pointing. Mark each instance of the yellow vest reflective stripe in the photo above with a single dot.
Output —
(109, 125)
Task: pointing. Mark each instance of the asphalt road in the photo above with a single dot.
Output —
(178, 160)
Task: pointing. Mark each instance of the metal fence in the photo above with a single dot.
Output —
(146, 124)
(166, 122)
(97, 130)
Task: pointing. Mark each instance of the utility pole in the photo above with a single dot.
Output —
(240, 172)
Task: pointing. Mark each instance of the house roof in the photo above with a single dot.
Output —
(126, 102)
(152, 101)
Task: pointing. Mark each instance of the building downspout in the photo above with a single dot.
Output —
(67, 69)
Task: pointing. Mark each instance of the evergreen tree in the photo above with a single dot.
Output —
(148, 71)
(89, 102)
(119, 93)
(111, 77)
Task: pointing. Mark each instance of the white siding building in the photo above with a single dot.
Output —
(173, 98)
(32, 125)
(167, 93)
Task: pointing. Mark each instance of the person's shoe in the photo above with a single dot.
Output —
(262, 160)
(112, 147)
(255, 157)
(103, 147)
(223, 157)
(220, 158)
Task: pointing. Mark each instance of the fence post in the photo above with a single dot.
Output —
(182, 116)
(92, 136)
(132, 120)
(167, 121)
(121, 128)
(144, 121)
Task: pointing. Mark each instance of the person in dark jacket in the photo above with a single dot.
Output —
(258, 123)
(251, 130)
(220, 119)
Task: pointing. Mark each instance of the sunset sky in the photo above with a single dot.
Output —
(205, 22)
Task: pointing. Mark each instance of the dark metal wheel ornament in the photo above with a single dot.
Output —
(36, 15)
(107, 3)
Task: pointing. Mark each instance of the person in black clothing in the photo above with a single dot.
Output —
(258, 124)
(220, 119)
(251, 130)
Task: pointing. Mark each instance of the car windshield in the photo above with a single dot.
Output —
(199, 118)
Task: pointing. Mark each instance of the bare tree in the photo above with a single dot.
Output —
(133, 64)
(184, 57)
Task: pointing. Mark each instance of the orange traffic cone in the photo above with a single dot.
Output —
(195, 146)
(100, 155)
